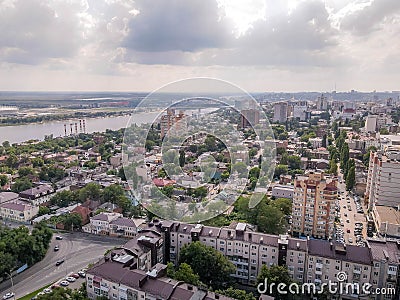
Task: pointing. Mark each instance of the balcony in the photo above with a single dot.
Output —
(357, 271)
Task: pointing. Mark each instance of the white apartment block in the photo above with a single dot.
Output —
(246, 249)
(308, 260)
(313, 207)
(383, 178)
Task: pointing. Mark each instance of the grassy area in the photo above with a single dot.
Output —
(29, 296)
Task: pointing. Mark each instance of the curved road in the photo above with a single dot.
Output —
(77, 249)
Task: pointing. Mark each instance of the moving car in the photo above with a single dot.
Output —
(8, 295)
(59, 262)
(58, 237)
(56, 248)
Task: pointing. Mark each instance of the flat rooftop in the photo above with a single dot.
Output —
(388, 214)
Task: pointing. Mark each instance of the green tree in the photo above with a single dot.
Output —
(324, 139)
(274, 275)
(213, 268)
(112, 192)
(240, 167)
(351, 178)
(384, 131)
(91, 191)
(294, 162)
(284, 205)
(181, 158)
(269, 218)
(183, 273)
(3, 180)
(280, 170)
(12, 161)
(236, 294)
(333, 167)
(25, 171)
(64, 198)
(21, 184)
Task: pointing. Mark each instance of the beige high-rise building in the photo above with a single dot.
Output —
(314, 205)
(249, 118)
(171, 119)
(280, 112)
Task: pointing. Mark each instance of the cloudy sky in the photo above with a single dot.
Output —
(259, 45)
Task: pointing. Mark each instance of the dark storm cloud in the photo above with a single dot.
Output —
(179, 25)
(371, 17)
(31, 31)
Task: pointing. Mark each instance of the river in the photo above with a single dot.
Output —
(37, 131)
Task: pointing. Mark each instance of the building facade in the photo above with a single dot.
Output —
(383, 178)
(313, 207)
(19, 211)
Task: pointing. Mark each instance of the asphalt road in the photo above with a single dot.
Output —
(351, 215)
(77, 249)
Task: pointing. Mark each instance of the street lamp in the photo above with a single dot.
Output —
(12, 283)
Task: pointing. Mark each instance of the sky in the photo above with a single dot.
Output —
(258, 45)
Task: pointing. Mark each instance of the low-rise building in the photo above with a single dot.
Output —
(39, 195)
(387, 220)
(282, 191)
(19, 211)
(8, 196)
(100, 224)
(123, 227)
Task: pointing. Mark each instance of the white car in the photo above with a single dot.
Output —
(8, 295)
(64, 283)
(47, 291)
(70, 279)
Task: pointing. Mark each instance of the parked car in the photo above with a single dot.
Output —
(82, 274)
(75, 275)
(70, 279)
(58, 237)
(64, 283)
(47, 291)
(56, 248)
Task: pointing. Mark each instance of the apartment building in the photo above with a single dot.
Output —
(385, 272)
(249, 118)
(326, 259)
(246, 249)
(313, 207)
(19, 211)
(308, 260)
(115, 280)
(172, 120)
(280, 112)
(383, 178)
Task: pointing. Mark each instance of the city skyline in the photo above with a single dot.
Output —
(259, 46)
